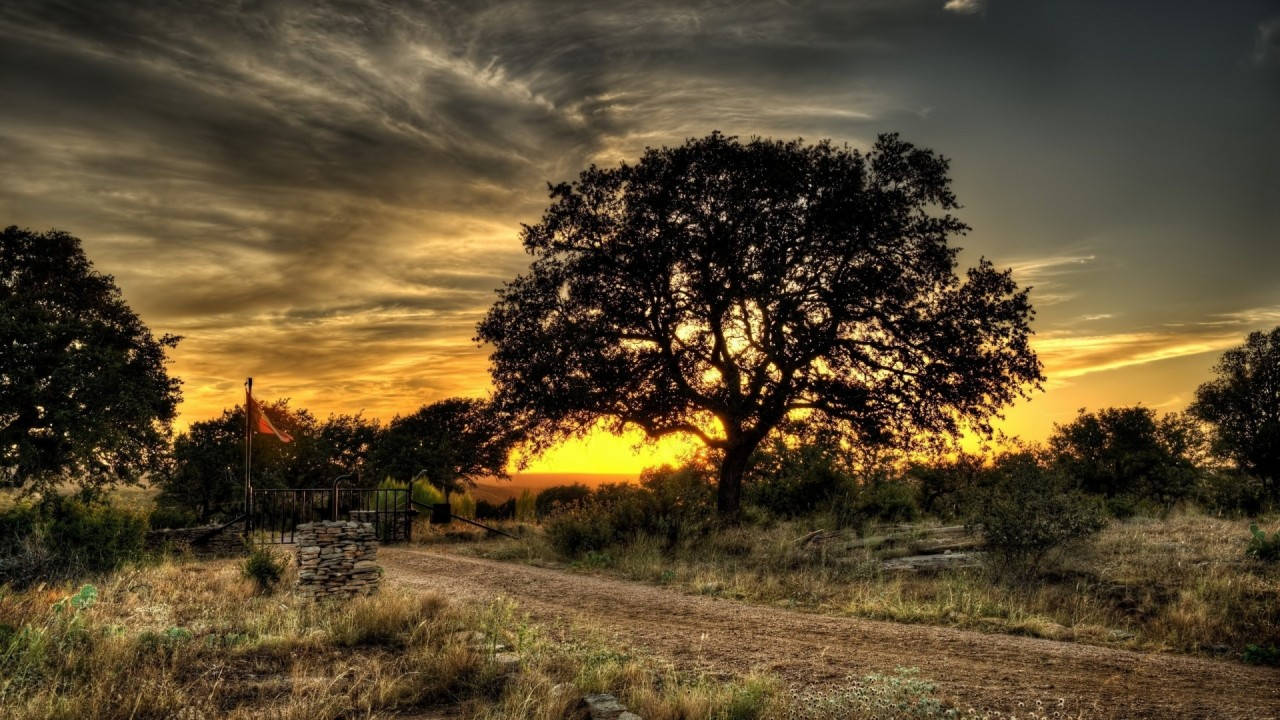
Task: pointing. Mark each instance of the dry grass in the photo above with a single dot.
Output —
(194, 640)
(1182, 583)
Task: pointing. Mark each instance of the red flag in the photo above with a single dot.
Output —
(259, 421)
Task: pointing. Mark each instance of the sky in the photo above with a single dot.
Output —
(326, 195)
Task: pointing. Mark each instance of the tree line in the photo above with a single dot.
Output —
(717, 289)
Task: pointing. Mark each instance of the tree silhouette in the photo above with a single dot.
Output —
(1243, 405)
(714, 288)
(84, 393)
(456, 441)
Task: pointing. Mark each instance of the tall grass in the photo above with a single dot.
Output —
(1180, 583)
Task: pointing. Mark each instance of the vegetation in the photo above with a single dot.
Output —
(197, 640)
(1266, 549)
(61, 537)
(452, 442)
(84, 394)
(1243, 405)
(714, 288)
(264, 569)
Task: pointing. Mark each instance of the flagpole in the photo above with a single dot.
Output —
(248, 452)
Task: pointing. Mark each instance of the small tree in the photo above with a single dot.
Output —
(715, 288)
(84, 392)
(455, 441)
(1243, 405)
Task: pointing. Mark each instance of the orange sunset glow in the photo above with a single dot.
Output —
(332, 217)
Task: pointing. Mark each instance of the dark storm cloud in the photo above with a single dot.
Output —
(326, 193)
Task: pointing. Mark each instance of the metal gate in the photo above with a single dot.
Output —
(275, 513)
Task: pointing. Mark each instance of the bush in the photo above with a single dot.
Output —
(672, 504)
(1261, 547)
(947, 488)
(486, 510)
(264, 568)
(1231, 494)
(560, 495)
(63, 538)
(792, 481)
(526, 506)
(879, 499)
(1032, 511)
(171, 516)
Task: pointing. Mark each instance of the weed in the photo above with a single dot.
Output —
(264, 568)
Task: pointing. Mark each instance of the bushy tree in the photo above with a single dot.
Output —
(206, 470)
(1243, 405)
(84, 392)
(714, 288)
(1128, 452)
(455, 442)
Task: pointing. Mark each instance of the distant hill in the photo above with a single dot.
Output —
(496, 491)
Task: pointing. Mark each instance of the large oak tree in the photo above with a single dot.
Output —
(85, 395)
(714, 288)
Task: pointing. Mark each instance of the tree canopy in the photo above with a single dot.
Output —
(454, 441)
(714, 288)
(84, 391)
(206, 471)
(1243, 405)
(1129, 451)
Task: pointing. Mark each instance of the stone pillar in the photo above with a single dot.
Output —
(336, 559)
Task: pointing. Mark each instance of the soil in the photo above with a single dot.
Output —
(971, 669)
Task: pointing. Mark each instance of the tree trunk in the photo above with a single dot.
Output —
(729, 492)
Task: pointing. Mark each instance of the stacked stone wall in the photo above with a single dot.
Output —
(208, 540)
(337, 559)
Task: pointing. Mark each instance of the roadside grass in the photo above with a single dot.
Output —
(1181, 583)
(196, 640)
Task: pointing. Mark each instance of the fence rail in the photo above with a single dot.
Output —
(274, 514)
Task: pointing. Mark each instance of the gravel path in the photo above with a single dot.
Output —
(999, 672)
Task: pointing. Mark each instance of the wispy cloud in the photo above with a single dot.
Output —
(964, 7)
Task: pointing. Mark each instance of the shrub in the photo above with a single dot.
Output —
(171, 516)
(1261, 547)
(264, 568)
(560, 495)
(1032, 511)
(63, 537)
(1255, 654)
(878, 499)
(486, 510)
(947, 488)
(1226, 493)
(792, 481)
(526, 506)
(95, 538)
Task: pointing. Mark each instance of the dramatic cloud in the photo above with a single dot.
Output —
(325, 195)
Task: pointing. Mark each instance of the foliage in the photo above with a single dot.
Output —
(876, 499)
(454, 441)
(1231, 493)
(264, 568)
(794, 479)
(560, 496)
(947, 487)
(1030, 510)
(425, 494)
(671, 504)
(170, 516)
(1243, 405)
(526, 507)
(1261, 547)
(462, 505)
(1256, 654)
(206, 473)
(1128, 453)
(85, 396)
(713, 288)
(63, 537)
(486, 510)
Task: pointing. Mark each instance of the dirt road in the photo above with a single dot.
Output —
(997, 672)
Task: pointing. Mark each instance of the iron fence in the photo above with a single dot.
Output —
(274, 514)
